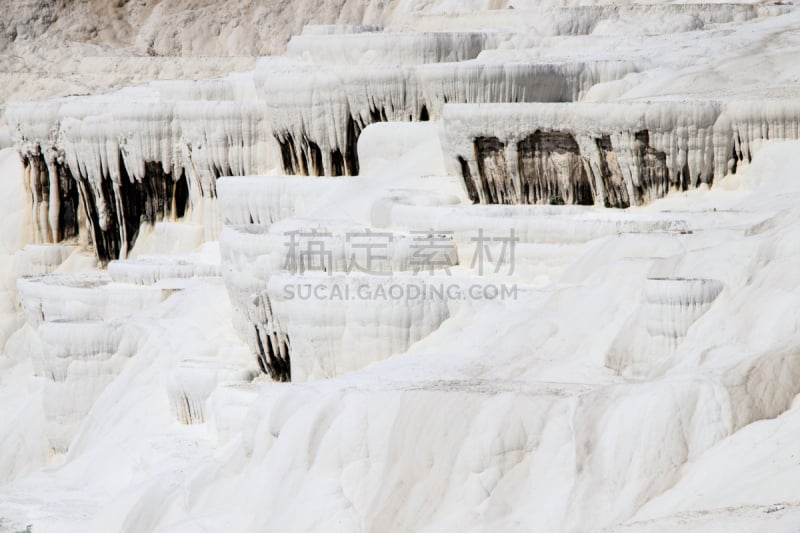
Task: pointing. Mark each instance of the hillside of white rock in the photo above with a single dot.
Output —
(399, 266)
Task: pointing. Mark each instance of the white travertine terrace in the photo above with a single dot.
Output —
(338, 335)
(192, 382)
(253, 254)
(390, 48)
(673, 305)
(150, 269)
(649, 18)
(267, 199)
(70, 297)
(613, 154)
(337, 103)
(168, 151)
(77, 360)
(295, 322)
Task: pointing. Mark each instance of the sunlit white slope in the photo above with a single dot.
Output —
(135, 438)
(522, 426)
(365, 453)
(643, 379)
(23, 446)
(506, 417)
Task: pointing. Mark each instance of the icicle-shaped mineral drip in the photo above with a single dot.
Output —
(649, 147)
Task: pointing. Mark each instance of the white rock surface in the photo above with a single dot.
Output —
(624, 370)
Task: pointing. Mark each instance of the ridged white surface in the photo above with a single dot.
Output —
(643, 378)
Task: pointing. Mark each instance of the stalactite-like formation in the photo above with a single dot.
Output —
(552, 170)
(116, 210)
(654, 178)
(491, 156)
(306, 158)
(273, 351)
(616, 191)
(317, 114)
(159, 156)
(610, 154)
(117, 167)
(54, 196)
